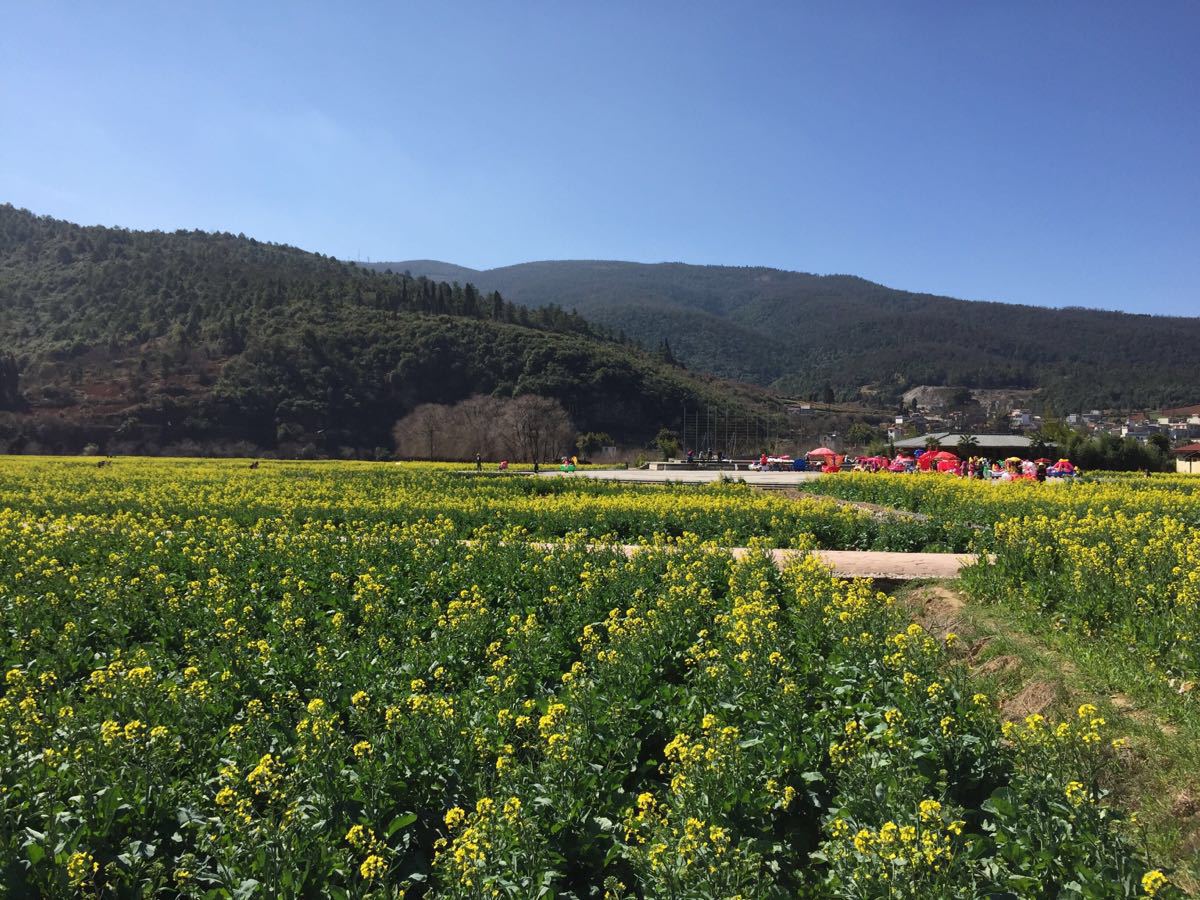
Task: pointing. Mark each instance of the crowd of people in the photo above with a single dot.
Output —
(1014, 468)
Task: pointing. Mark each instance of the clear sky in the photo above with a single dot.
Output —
(1032, 152)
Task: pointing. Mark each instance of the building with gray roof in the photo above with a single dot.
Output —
(990, 445)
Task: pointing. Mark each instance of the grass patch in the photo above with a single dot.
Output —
(1029, 667)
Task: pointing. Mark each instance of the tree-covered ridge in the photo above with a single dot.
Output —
(355, 372)
(796, 331)
(149, 339)
(64, 285)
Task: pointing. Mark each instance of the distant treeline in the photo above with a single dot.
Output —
(1110, 453)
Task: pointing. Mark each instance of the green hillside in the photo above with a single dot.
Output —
(796, 331)
(151, 340)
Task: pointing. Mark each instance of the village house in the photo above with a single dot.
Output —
(1187, 459)
(1138, 427)
(1086, 420)
(1024, 420)
(1181, 428)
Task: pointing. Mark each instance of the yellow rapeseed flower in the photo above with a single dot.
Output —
(1153, 882)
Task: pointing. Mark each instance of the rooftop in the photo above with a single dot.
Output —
(947, 439)
(1182, 411)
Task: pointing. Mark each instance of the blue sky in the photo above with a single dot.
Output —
(1027, 152)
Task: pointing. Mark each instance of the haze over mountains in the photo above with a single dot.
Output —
(796, 331)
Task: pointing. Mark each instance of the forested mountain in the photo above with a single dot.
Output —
(150, 340)
(797, 331)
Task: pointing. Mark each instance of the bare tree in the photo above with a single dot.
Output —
(477, 426)
(538, 428)
(526, 428)
(420, 433)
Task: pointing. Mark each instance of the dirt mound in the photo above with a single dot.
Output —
(940, 599)
(1184, 805)
(939, 610)
(1036, 697)
(977, 647)
(998, 665)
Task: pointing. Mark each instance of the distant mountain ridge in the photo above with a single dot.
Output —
(429, 268)
(796, 331)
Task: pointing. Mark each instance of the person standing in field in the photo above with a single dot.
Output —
(478, 463)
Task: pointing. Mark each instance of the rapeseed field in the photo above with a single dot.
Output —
(362, 681)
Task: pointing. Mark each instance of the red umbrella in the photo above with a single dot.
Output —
(945, 455)
(821, 451)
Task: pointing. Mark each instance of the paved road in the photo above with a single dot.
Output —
(898, 566)
(879, 563)
(859, 563)
(689, 476)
